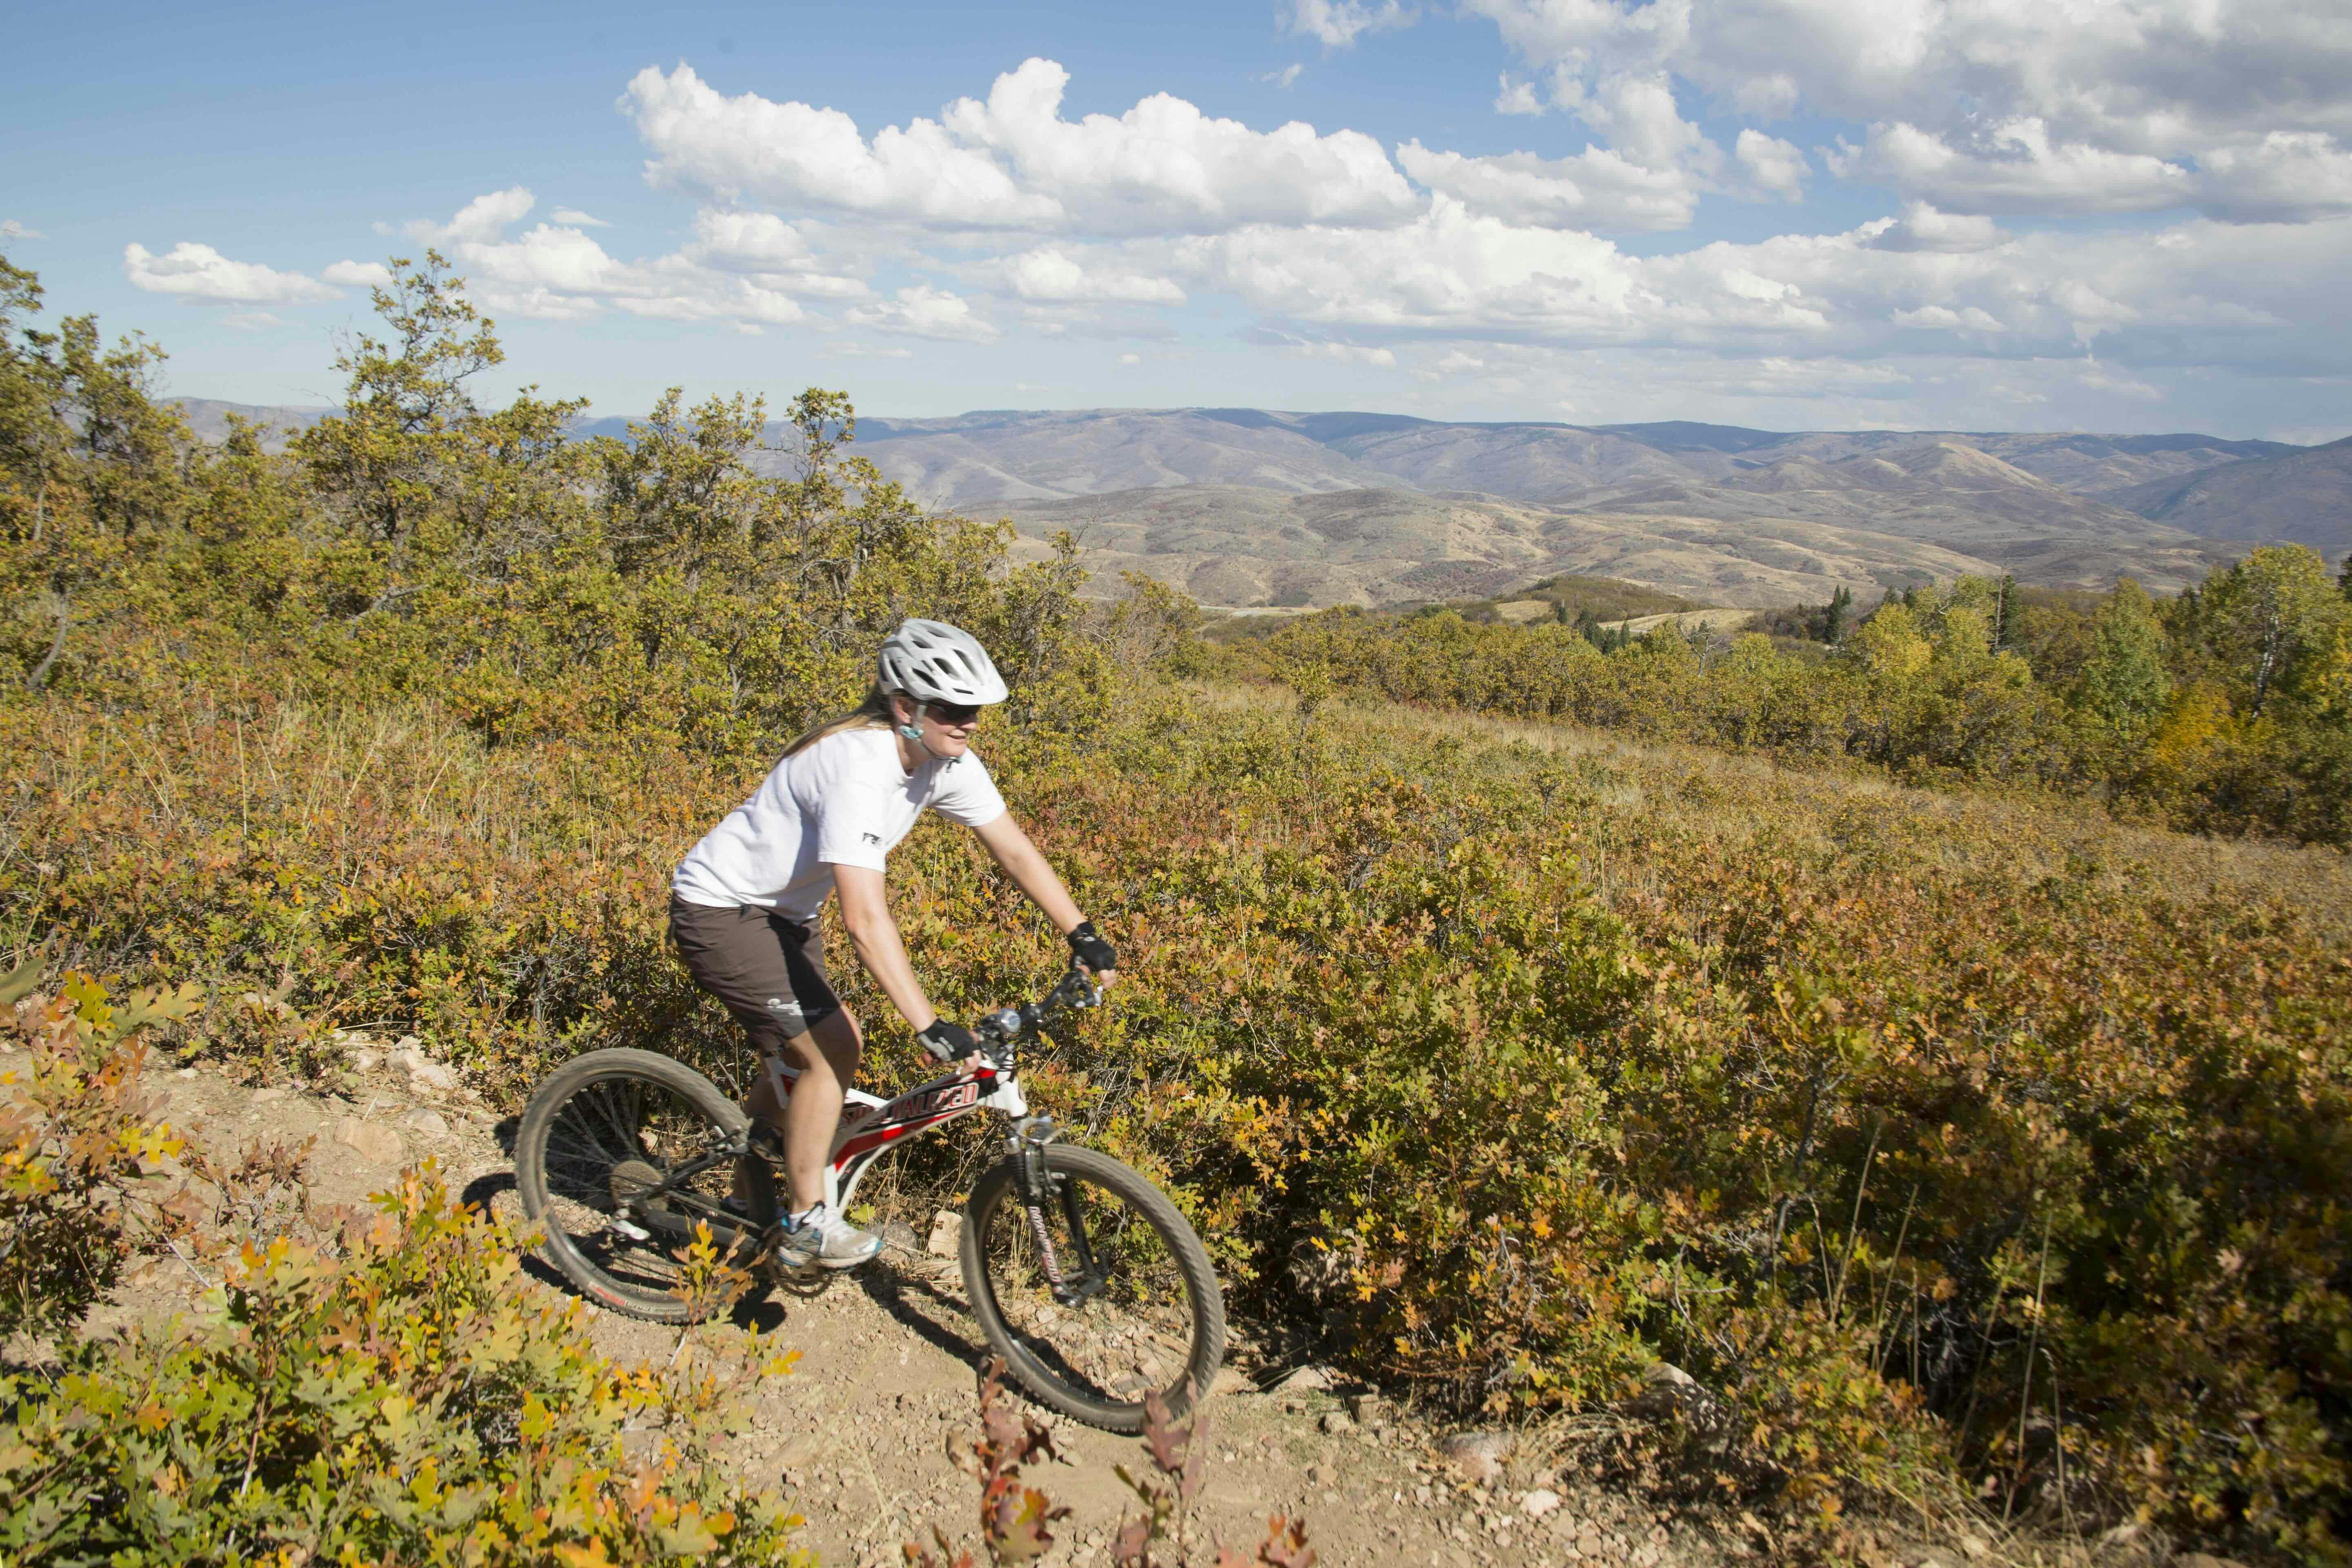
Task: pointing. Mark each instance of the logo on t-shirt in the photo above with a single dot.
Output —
(872, 837)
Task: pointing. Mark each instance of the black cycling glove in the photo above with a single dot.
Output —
(1091, 948)
(949, 1042)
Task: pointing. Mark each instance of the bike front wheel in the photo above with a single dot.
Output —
(620, 1155)
(1099, 1296)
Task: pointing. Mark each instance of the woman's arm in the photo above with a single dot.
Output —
(1010, 848)
(865, 911)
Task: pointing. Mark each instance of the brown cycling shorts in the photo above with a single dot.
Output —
(768, 971)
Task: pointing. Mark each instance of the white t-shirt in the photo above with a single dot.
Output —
(845, 801)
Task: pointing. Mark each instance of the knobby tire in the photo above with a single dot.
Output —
(1043, 1367)
(582, 1114)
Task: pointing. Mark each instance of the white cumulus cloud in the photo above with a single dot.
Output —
(358, 274)
(559, 272)
(1922, 227)
(1053, 276)
(2014, 167)
(1773, 167)
(781, 255)
(2004, 106)
(200, 273)
(1013, 161)
(1337, 24)
(2200, 292)
(2289, 176)
(921, 310)
(1515, 97)
(483, 218)
(1597, 189)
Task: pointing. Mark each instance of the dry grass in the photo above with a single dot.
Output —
(1960, 830)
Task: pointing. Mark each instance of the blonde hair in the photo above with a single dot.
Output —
(873, 713)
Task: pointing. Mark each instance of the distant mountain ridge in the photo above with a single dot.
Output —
(2303, 494)
(1005, 453)
(1252, 506)
(1240, 547)
(1524, 459)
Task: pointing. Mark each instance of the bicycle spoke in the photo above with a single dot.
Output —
(630, 1167)
(1130, 1332)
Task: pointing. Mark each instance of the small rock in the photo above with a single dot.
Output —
(947, 1233)
(1539, 1502)
(187, 1072)
(425, 1120)
(372, 1141)
(1478, 1455)
(423, 1071)
(264, 1095)
(1307, 1379)
(899, 1236)
(1338, 1421)
(1367, 1408)
(1588, 1545)
(1232, 1380)
(364, 1061)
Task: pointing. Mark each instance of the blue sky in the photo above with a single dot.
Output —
(1796, 213)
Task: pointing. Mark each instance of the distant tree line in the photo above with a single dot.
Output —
(2226, 708)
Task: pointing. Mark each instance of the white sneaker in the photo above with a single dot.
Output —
(825, 1240)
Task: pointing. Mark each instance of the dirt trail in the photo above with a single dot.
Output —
(857, 1432)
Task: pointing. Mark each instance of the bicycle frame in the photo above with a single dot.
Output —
(872, 1127)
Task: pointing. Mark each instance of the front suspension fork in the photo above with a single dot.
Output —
(1038, 1189)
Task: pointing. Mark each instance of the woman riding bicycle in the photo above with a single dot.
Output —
(744, 902)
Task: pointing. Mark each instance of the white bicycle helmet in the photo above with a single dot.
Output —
(932, 661)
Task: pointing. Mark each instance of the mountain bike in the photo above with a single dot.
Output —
(1083, 1276)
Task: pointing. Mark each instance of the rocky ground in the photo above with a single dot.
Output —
(858, 1432)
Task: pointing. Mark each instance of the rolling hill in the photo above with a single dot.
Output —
(1255, 507)
(1244, 548)
(2305, 494)
(1958, 497)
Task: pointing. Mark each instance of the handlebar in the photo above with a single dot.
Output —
(1074, 992)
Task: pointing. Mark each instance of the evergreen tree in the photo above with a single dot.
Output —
(1834, 618)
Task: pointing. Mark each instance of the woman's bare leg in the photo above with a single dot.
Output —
(827, 1057)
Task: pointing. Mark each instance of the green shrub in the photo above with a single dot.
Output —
(414, 1401)
(77, 1143)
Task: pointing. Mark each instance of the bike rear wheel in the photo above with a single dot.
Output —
(619, 1156)
(1146, 1316)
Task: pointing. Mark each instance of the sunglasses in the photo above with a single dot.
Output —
(953, 713)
